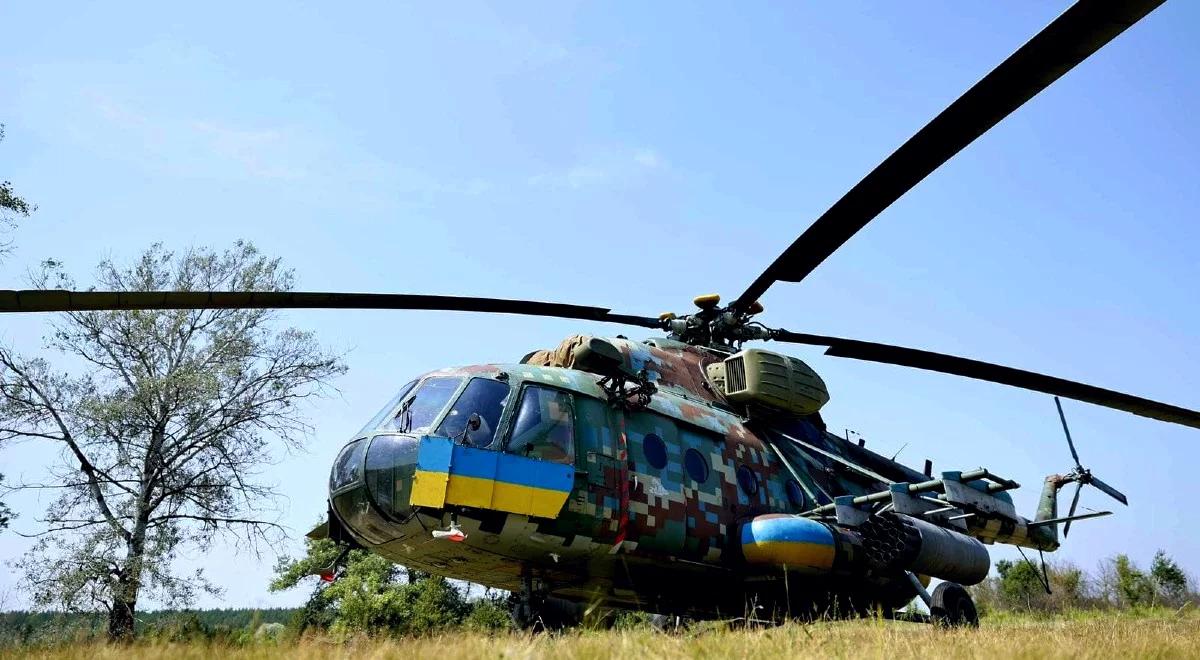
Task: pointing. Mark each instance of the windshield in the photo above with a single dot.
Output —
(347, 466)
(483, 396)
(385, 410)
(421, 408)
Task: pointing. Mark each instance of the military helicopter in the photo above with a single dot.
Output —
(689, 474)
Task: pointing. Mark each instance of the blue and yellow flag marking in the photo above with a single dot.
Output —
(787, 540)
(448, 473)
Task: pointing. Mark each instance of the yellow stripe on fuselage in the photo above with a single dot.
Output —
(529, 500)
(470, 491)
(436, 489)
(429, 489)
(792, 553)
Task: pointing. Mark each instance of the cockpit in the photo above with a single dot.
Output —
(479, 411)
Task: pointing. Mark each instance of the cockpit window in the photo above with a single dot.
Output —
(544, 427)
(383, 413)
(419, 410)
(348, 466)
(483, 396)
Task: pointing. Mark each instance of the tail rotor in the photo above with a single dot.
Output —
(1082, 476)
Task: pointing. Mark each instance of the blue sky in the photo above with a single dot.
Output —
(633, 156)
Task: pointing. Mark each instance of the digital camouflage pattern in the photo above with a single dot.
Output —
(660, 495)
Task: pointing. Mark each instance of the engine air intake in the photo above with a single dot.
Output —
(770, 380)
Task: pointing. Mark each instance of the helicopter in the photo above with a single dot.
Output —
(690, 474)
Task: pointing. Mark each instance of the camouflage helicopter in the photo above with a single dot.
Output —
(688, 474)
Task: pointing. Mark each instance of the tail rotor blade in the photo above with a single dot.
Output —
(1110, 491)
(1067, 431)
(1074, 505)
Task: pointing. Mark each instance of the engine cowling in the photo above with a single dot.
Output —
(769, 380)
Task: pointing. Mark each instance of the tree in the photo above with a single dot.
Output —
(1170, 582)
(1126, 584)
(1018, 587)
(1020, 584)
(162, 429)
(11, 205)
(6, 514)
(374, 596)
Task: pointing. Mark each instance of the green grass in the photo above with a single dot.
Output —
(1158, 634)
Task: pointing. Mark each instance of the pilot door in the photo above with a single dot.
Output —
(533, 475)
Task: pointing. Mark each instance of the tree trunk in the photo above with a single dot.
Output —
(125, 595)
(120, 620)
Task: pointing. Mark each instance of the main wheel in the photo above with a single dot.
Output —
(952, 606)
(543, 614)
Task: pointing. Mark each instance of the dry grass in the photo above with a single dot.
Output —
(1091, 636)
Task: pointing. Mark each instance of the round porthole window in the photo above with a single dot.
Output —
(697, 467)
(655, 450)
(795, 494)
(747, 480)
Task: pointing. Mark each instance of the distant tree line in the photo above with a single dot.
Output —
(1119, 583)
(30, 629)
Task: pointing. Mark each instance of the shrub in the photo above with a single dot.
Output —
(489, 614)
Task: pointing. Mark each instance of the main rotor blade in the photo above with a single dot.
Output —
(960, 366)
(1074, 504)
(55, 300)
(1110, 491)
(1061, 416)
(1080, 31)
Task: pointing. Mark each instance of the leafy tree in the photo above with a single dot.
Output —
(1129, 586)
(374, 596)
(11, 206)
(1018, 587)
(161, 429)
(490, 613)
(1020, 583)
(1170, 582)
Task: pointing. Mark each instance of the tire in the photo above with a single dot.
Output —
(547, 614)
(952, 607)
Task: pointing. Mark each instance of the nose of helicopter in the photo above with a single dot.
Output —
(371, 484)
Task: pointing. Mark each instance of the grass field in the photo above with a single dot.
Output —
(1093, 636)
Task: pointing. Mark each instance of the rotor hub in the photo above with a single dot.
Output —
(713, 326)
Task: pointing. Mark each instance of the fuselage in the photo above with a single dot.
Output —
(636, 507)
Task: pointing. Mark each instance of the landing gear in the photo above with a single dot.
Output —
(533, 610)
(951, 606)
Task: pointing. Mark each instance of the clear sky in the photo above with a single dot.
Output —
(634, 155)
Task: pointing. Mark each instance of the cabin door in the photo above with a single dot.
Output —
(657, 501)
(595, 502)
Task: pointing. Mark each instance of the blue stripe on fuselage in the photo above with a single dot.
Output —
(435, 456)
